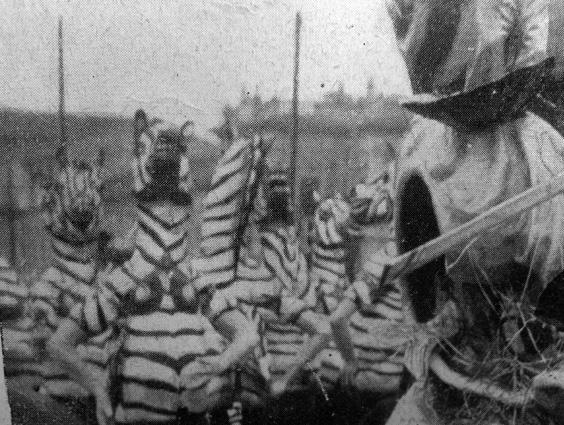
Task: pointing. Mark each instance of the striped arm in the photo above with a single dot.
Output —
(22, 358)
(255, 286)
(253, 388)
(380, 370)
(47, 300)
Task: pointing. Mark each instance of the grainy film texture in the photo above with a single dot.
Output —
(282, 212)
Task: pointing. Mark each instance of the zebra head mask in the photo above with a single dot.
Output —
(276, 198)
(72, 203)
(160, 164)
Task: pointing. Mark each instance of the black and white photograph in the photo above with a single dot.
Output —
(282, 212)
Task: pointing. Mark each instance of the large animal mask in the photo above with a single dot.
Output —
(72, 203)
(160, 164)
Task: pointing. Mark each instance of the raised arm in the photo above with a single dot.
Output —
(241, 333)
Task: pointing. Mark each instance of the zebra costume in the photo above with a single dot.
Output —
(379, 371)
(273, 283)
(281, 338)
(72, 214)
(335, 229)
(22, 358)
(160, 296)
(328, 248)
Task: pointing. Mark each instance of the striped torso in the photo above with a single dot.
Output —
(155, 301)
(379, 370)
(66, 283)
(275, 289)
(22, 358)
(281, 339)
(329, 274)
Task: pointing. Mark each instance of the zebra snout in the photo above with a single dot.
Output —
(164, 170)
(81, 218)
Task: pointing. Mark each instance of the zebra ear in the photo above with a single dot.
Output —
(140, 124)
(187, 130)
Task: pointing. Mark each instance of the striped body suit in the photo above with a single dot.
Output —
(22, 356)
(163, 299)
(328, 249)
(72, 213)
(229, 206)
(379, 371)
(281, 339)
(276, 288)
(273, 287)
(67, 282)
(154, 297)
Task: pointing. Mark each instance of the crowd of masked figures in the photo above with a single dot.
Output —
(272, 321)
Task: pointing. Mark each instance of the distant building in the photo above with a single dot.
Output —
(343, 139)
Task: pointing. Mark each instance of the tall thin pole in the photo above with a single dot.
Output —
(295, 115)
(62, 130)
(12, 212)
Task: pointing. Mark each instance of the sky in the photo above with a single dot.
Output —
(187, 59)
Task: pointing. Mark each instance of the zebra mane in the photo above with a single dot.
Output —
(227, 209)
(254, 178)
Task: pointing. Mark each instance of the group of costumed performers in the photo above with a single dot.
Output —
(257, 329)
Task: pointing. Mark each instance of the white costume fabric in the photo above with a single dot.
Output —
(511, 34)
(494, 37)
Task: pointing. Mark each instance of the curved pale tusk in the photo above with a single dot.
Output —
(477, 386)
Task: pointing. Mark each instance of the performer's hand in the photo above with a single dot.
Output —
(235, 414)
(104, 411)
(348, 374)
(279, 387)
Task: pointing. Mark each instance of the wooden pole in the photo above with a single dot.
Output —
(62, 129)
(295, 115)
(11, 214)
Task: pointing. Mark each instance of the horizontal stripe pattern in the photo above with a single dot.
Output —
(22, 359)
(281, 339)
(379, 370)
(159, 308)
(61, 288)
(328, 269)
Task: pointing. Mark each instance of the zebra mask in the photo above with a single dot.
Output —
(71, 205)
(160, 164)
